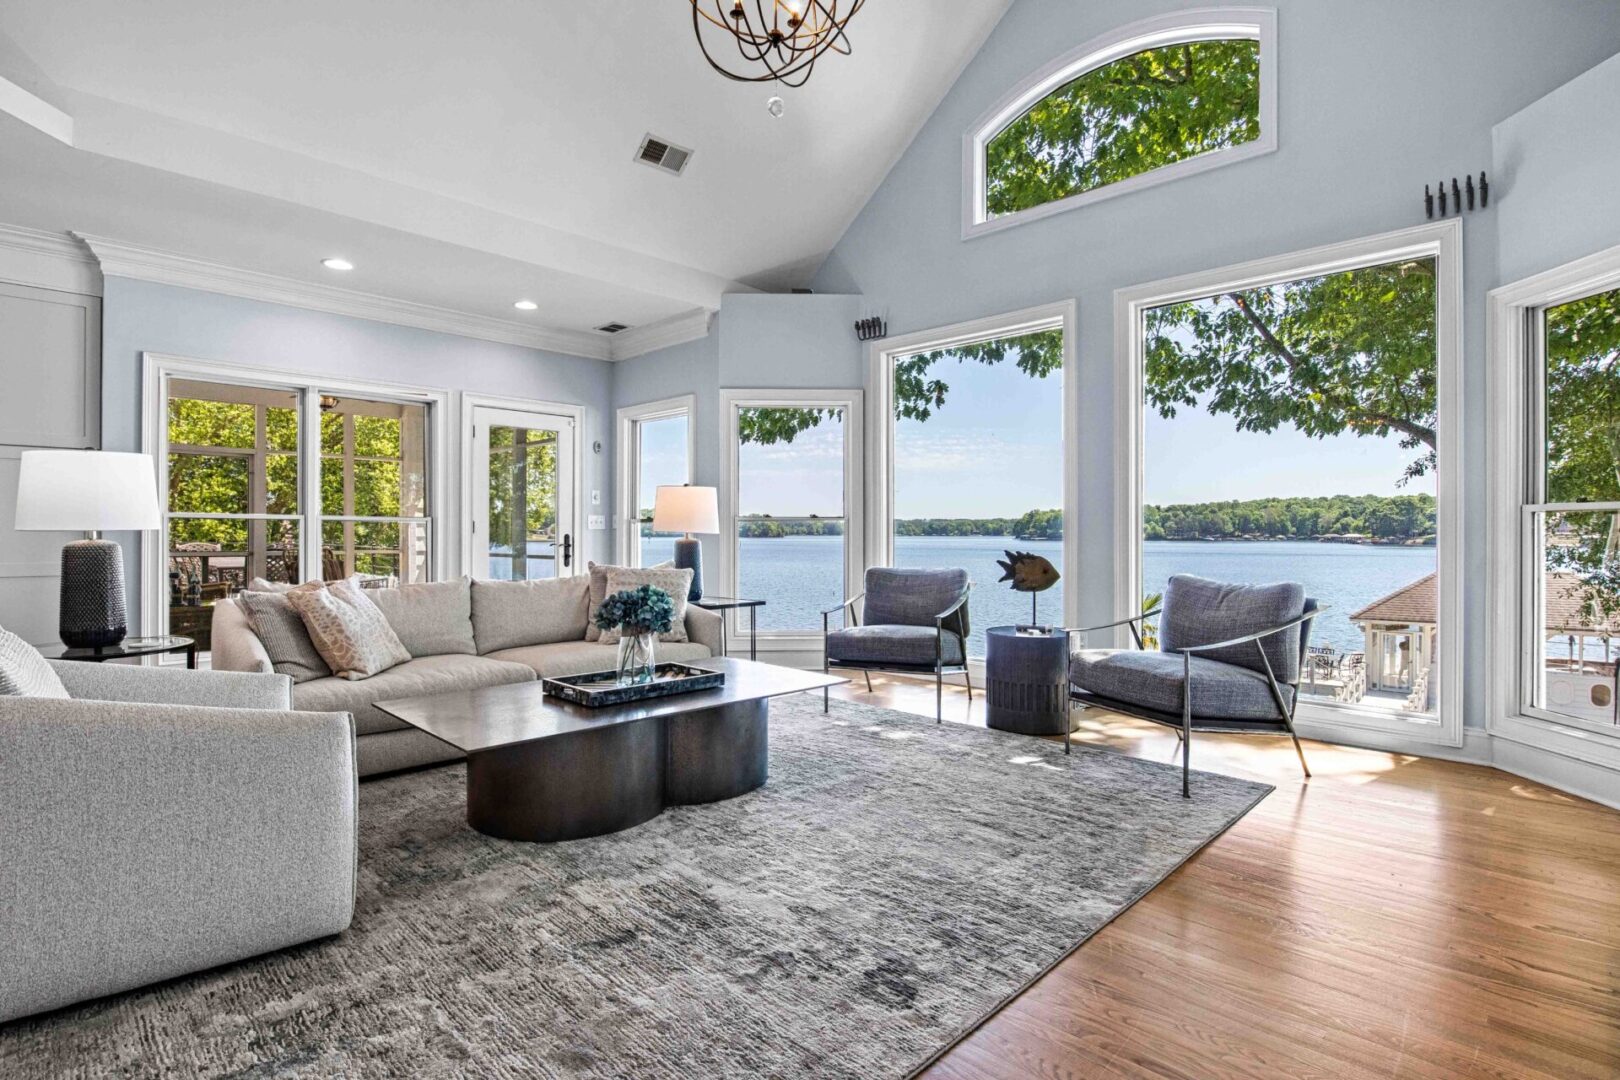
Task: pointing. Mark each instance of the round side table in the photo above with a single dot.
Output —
(1028, 677)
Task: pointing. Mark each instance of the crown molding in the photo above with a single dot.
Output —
(47, 260)
(676, 330)
(120, 259)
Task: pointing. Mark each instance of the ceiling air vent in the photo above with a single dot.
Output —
(664, 155)
(613, 328)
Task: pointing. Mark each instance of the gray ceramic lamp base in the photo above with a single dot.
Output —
(92, 599)
(689, 556)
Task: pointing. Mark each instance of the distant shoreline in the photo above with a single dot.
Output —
(1364, 541)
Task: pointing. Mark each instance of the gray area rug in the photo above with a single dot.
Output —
(891, 886)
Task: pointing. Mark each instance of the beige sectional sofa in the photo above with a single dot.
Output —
(461, 635)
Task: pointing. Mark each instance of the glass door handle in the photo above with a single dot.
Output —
(568, 549)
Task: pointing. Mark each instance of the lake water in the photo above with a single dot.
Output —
(799, 576)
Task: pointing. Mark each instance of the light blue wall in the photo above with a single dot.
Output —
(1376, 97)
(139, 316)
(1557, 166)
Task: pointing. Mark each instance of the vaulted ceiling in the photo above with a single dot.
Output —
(468, 154)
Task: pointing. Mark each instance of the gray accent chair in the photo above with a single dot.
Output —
(916, 623)
(160, 822)
(1229, 659)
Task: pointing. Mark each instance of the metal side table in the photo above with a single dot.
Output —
(1028, 682)
(128, 649)
(723, 604)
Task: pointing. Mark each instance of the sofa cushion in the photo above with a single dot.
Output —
(599, 574)
(24, 672)
(348, 629)
(1198, 611)
(432, 618)
(677, 584)
(1153, 680)
(581, 657)
(511, 614)
(280, 629)
(892, 645)
(414, 678)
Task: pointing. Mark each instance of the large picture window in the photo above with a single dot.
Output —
(792, 503)
(1153, 101)
(1302, 427)
(978, 467)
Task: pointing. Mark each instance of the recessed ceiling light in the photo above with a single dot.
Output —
(335, 263)
(526, 305)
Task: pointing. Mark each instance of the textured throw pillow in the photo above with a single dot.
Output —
(349, 631)
(675, 582)
(260, 584)
(431, 618)
(24, 673)
(516, 614)
(599, 576)
(280, 629)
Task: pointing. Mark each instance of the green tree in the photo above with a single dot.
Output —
(1126, 118)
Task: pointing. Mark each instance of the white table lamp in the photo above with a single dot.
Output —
(92, 492)
(687, 509)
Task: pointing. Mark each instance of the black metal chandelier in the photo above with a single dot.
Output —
(776, 40)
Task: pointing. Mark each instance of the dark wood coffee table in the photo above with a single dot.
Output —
(540, 768)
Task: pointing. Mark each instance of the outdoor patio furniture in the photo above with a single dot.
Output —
(916, 623)
(1230, 659)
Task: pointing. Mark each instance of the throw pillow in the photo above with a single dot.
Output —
(675, 582)
(599, 576)
(348, 629)
(431, 618)
(516, 614)
(25, 673)
(280, 629)
(260, 584)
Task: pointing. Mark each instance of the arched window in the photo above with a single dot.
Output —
(1151, 102)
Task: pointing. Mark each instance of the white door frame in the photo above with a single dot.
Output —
(575, 413)
(1442, 242)
(628, 462)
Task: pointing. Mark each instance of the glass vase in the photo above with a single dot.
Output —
(636, 655)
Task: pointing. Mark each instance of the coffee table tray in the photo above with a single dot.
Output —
(599, 688)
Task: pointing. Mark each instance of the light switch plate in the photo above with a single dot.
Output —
(597, 521)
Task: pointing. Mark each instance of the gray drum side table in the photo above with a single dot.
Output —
(1028, 682)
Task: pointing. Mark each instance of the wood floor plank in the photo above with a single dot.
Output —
(1393, 916)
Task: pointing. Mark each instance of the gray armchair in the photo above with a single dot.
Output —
(916, 623)
(161, 822)
(1230, 660)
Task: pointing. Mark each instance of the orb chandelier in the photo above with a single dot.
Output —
(777, 40)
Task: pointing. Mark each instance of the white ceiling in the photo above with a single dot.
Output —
(464, 154)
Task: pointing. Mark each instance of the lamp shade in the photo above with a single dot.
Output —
(86, 491)
(686, 509)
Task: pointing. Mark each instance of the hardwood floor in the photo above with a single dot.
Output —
(1392, 917)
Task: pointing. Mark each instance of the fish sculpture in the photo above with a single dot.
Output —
(1028, 572)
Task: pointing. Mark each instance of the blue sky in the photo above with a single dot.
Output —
(995, 450)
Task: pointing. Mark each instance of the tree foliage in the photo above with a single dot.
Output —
(1132, 116)
(1583, 400)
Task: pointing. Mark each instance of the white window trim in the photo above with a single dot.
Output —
(1194, 24)
(1442, 242)
(158, 368)
(852, 402)
(1512, 317)
(576, 413)
(628, 457)
(880, 357)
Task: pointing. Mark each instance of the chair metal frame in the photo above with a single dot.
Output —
(938, 669)
(1184, 724)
